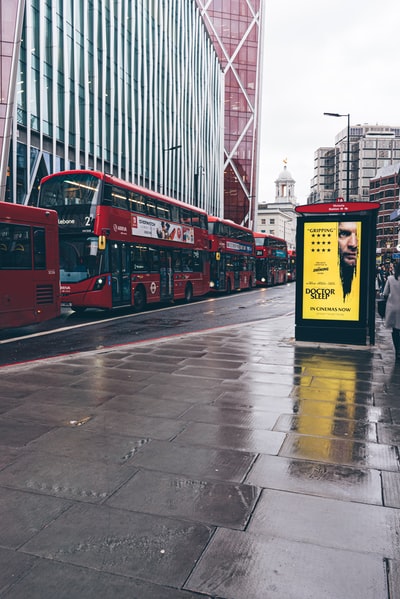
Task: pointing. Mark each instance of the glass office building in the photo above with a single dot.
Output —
(235, 27)
(135, 89)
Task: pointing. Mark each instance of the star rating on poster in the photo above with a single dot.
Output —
(321, 242)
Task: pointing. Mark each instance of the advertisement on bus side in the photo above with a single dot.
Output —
(239, 247)
(143, 226)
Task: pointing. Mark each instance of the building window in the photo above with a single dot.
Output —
(271, 221)
(263, 221)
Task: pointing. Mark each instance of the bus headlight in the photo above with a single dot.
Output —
(99, 284)
(263, 279)
(212, 284)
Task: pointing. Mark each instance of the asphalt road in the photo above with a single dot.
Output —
(95, 329)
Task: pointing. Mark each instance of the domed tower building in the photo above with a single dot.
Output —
(284, 187)
(279, 217)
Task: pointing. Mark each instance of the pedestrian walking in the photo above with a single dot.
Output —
(392, 318)
(380, 279)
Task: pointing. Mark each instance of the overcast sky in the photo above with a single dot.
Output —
(341, 56)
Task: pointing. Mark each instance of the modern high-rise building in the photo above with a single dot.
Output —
(235, 27)
(135, 89)
(371, 147)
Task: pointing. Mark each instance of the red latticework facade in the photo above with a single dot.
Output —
(235, 29)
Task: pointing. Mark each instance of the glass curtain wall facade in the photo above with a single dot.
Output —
(130, 88)
(235, 27)
(11, 16)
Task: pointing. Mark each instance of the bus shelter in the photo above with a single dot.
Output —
(336, 262)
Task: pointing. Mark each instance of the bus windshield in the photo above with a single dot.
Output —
(79, 189)
(80, 259)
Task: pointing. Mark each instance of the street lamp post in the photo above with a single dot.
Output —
(348, 150)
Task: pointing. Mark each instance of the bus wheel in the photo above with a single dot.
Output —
(188, 293)
(78, 309)
(228, 286)
(139, 299)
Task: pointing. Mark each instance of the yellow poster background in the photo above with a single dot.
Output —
(324, 294)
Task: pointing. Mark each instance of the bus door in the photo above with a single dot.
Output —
(166, 276)
(237, 268)
(221, 270)
(120, 274)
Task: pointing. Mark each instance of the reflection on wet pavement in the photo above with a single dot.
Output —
(336, 382)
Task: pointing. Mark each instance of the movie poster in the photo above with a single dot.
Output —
(331, 272)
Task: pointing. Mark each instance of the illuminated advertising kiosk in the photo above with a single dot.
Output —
(335, 290)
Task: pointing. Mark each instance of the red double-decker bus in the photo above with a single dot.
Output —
(232, 256)
(123, 245)
(29, 270)
(271, 260)
(291, 276)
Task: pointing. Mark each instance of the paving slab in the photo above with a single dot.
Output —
(215, 503)
(335, 481)
(215, 414)
(239, 565)
(13, 566)
(391, 488)
(200, 462)
(232, 437)
(65, 476)
(24, 514)
(51, 579)
(323, 423)
(342, 451)
(394, 579)
(368, 528)
(152, 548)
(14, 433)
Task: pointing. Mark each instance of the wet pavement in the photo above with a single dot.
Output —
(232, 464)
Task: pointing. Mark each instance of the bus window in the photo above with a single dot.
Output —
(140, 261)
(187, 261)
(174, 213)
(151, 207)
(163, 211)
(21, 247)
(73, 261)
(177, 260)
(186, 217)
(203, 222)
(197, 261)
(5, 240)
(107, 195)
(118, 196)
(154, 259)
(76, 190)
(39, 249)
(137, 202)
